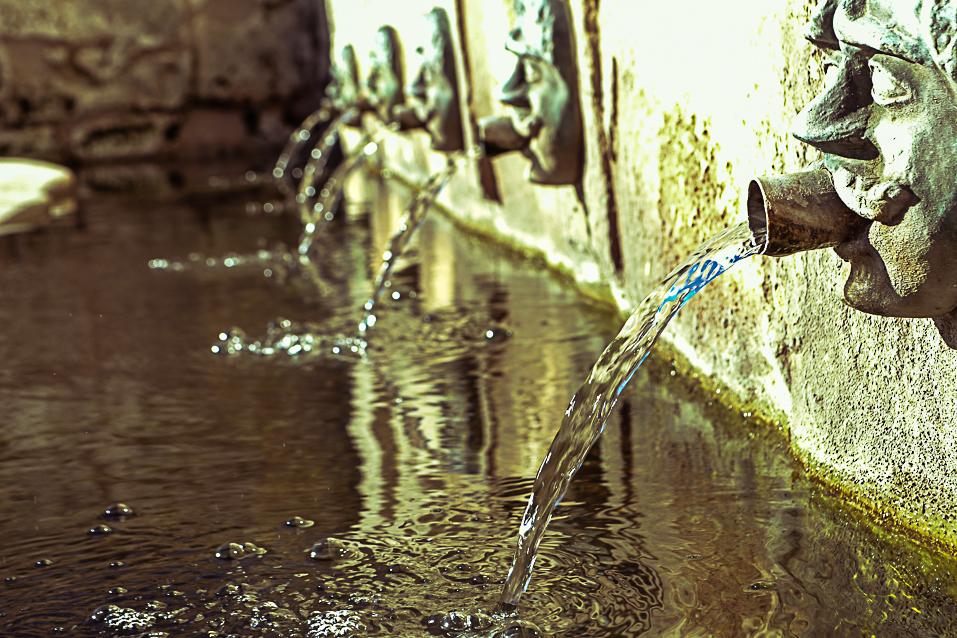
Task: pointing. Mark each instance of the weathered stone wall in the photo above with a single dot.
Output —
(683, 102)
(116, 79)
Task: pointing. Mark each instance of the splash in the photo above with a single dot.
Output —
(588, 411)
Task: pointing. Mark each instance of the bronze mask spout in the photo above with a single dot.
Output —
(497, 136)
(799, 212)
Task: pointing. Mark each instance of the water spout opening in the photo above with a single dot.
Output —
(498, 136)
(800, 211)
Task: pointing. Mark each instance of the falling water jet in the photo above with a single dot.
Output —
(414, 215)
(330, 194)
(590, 407)
(297, 139)
(319, 161)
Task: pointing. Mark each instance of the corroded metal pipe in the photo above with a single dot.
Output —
(799, 212)
(407, 118)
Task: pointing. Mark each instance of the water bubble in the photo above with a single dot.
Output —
(278, 173)
(229, 589)
(341, 623)
(118, 512)
(117, 564)
(331, 549)
(251, 176)
(43, 562)
(117, 591)
(238, 551)
(10, 579)
(123, 620)
(299, 522)
(446, 624)
(396, 295)
(100, 529)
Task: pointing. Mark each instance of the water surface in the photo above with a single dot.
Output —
(412, 465)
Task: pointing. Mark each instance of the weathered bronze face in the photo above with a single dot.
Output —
(545, 119)
(887, 123)
(434, 93)
(385, 82)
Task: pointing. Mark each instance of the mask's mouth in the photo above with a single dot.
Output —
(881, 200)
(498, 135)
(798, 212)
(408, 118)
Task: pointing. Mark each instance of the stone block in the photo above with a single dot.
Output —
(57, 60)
(255, 50)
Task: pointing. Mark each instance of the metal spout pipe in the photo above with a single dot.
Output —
(407, 118)
(497, 135)
(799, 212)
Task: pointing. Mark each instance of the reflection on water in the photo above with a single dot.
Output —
(412, 464)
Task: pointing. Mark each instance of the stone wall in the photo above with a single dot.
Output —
(683, 102)
(95, 80)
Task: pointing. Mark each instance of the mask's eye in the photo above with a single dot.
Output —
(887, 87)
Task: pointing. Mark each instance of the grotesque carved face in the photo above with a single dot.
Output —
(434, 90)
(887, 122)
(385, 75)
(343, 91)
(543, 91)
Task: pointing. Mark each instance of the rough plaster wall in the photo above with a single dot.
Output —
(108, 79)
(683, 102)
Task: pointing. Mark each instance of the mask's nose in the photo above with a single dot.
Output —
(836, 121)
(515, 91)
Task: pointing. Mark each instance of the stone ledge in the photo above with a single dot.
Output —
(33, 193)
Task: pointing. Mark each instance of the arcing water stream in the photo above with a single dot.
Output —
(297, 139)
(400, 240)
(330, 194)
(292, 338)
(585, 418)
(317, 164)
